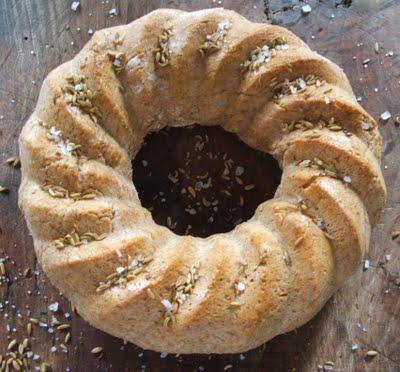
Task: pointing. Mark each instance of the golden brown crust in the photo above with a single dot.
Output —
(228, 292)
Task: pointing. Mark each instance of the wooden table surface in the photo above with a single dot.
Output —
(38, 35)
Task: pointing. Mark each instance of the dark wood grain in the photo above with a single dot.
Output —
(37, 35)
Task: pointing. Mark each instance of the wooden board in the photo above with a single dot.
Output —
(38, 35)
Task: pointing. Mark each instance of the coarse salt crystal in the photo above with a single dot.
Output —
(239, 171)
(66, 148)
(222, 26)
(241, 287)
(385, 116)
(54, 321)
(167, 304)
(117, 63)
(366, 264)
(347, 179)
(172, 178)
(191, 211)
(112, 12)
(75, 6)
(354, 346)
(365, 126)
(53, 307)
(306, 9)
(120, 270)
(55, 133)
(182, 296)
(134, 263)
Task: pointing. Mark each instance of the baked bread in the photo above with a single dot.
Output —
(181, 294)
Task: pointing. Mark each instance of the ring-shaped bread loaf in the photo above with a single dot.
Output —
(181, 294)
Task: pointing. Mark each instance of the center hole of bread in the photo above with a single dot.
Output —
(201, 180)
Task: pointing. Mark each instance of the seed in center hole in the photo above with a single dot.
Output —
(202, 180)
